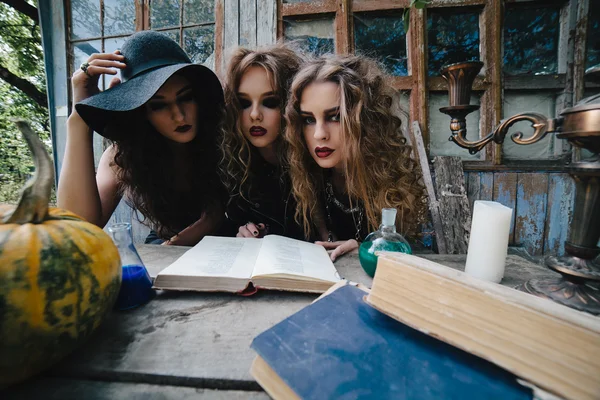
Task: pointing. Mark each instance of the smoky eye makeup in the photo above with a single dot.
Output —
(307, 119)
(156, 105)
(244, 103)
(271, 102)
(186, 97)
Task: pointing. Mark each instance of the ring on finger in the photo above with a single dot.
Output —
(84, 67)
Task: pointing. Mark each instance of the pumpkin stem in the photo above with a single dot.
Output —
(33, 206)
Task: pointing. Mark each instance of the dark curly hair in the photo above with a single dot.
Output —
(147, 166)
(280, 62)
(379, 170)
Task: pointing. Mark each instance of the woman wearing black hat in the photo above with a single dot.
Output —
(161, 120)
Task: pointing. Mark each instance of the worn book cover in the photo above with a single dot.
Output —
(340, 347)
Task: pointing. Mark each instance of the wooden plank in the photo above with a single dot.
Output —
(537, 82)
(453, 203)
(566, 59)
(139, 15)
(473, 180)
(402, 82)
(505, 193)
(308, 8)
(344, 28)
(580, 50)
(231, 35)
(423, 161)
(491, 54)
(219, 33)
(418, 70)
(516, 166)
(59, 389)
(247, 23)
(369, 5)
(561, 197)
(542, 342)
(486, 191)
(266, 22)
(532, 200)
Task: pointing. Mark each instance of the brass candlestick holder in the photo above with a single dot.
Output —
(579, 286)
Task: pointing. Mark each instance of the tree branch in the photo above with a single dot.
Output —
(24, 8)
(24, 86)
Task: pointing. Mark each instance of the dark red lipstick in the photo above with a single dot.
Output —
(183, 128)
(323, 152)
(258, 131)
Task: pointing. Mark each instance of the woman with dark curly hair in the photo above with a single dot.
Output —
(348, 158)
(162, 123)
(253, 164)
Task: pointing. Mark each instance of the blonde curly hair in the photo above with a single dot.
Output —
(280, 62)
(377, 161)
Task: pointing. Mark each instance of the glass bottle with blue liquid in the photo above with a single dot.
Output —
(384, 239)
(136, 285)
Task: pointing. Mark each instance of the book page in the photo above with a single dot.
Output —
(218, 256)
(281, 255)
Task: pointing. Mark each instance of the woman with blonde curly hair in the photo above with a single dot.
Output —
(348, 157)
(253, 164)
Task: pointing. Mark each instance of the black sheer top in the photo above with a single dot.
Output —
(268, 201)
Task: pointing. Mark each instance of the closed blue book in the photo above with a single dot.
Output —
(340, 347)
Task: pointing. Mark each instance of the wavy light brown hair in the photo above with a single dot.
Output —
(146, 168)
(379, 169)
(280, 62)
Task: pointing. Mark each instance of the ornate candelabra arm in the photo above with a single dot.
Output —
(458, 137)
(540, 124)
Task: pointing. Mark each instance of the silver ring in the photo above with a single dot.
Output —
(84, 67)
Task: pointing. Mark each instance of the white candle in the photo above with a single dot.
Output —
(488, 243)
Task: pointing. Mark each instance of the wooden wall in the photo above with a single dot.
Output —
(542, 204)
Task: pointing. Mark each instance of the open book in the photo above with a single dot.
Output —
(232, 264)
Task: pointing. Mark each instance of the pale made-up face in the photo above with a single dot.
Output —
(173, 110)
(320, 112)
(260, 114)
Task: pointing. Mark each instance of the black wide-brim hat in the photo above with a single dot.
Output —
(151, 58)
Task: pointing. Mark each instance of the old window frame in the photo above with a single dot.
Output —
(568, 80)
(143, 22)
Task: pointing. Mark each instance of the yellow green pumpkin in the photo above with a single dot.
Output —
(59, 276)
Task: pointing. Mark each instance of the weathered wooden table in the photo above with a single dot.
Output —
(193, 345)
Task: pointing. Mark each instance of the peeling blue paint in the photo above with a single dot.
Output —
(561, 194)
(532, 199)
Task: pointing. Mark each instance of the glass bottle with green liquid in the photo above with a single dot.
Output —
(384, 239)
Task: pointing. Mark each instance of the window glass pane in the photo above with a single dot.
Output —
(119, 17)
(198, 11)
(85, 19)
(164, 13)
(593, 36)
(439, 128)
(452, 37)
(173, 34)
(110, 45)
(316, 36)
(382, 38)
(531, 41)
(521, 101)
(82, 51)
(199, 43)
